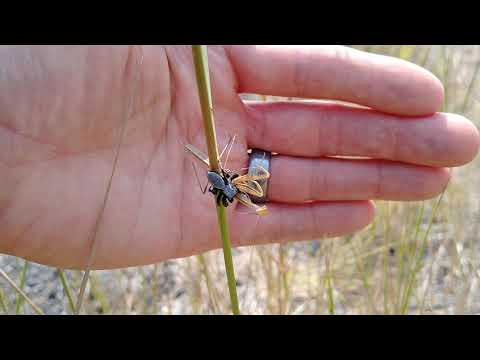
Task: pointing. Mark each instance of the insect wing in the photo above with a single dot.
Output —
(250, 187)
(245, 200)
(259, 173)
(249, 184)
(198, 154)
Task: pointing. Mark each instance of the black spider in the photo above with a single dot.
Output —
(222, 187)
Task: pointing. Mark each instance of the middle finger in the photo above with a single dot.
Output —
(313, 129)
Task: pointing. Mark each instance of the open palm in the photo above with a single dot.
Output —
(65, 110)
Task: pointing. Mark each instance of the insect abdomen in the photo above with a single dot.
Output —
(230, 191)
(216, 180)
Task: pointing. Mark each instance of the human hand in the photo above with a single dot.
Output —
(61, 116)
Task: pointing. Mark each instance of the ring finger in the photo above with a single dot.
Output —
(296, 180)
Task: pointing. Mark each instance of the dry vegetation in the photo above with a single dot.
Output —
(415, 258)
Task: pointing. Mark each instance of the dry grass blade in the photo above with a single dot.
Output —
(471, 86)
(21, 293)
(107, 192)
(418, 260)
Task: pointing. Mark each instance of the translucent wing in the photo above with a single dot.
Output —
(198, 154)
(259, 173)
(250, 187)
(248, 183)
(245, 200)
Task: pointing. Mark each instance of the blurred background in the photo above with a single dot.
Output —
(416, 258)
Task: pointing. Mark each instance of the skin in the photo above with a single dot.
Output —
(62, 111)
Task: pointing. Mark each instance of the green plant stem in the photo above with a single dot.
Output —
(66, 288)
(22, 294)
(284, 295)
(419, 258)
(466, 100)
(227, 256)
(331, 301)
(2, 302)
(23, 277)
(200, 59)
(424, 61)
(155, 290)
(208, 282)
(446, 59)
(204, 91)
(100, 295)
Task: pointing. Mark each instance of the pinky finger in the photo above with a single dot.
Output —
(309, 221)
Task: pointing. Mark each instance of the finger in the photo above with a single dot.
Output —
(313, 129)
(335, 72)
(297, 180)
(302, 222)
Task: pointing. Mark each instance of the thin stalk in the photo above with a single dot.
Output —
(400, 252)
(154, 290)
(227, 256)
(200, 58)
(66, 289)
(143, 293)
(360, 266)
(23, 277)
(411, 250)
(424, 61)
(265, 260)
(195, 294)
(22, 294)
(2, 302)
(251, 271)
(386, 272)
(331, 302)
(446, 74)
(418, 263)
(208, 282)
(94, 242)
(284, 295)
(99, 295)
(466, 100)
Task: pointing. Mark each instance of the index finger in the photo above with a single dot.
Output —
(340, 73)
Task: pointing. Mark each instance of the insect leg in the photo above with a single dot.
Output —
(203, 190)
(225, 201)
(230, 149)
(225, 148)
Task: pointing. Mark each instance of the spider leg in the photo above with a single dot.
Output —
(230, 142)
(230, 149)
(225, 201)
(203, 190)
